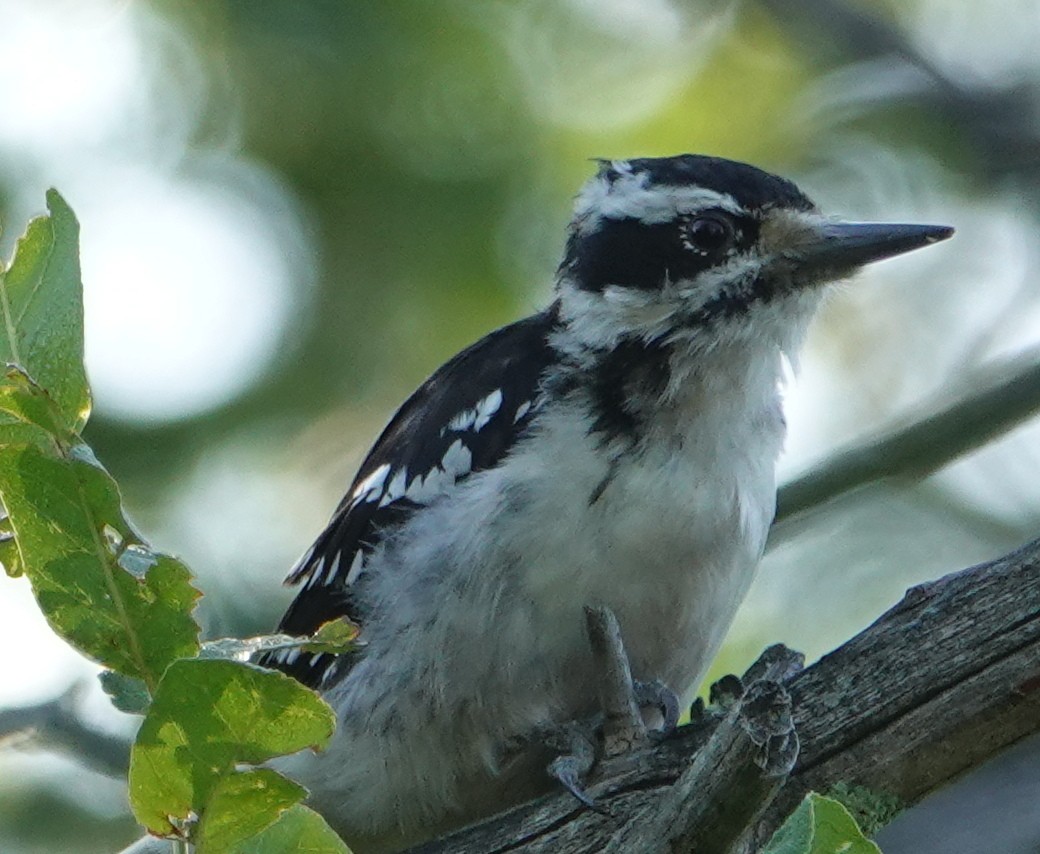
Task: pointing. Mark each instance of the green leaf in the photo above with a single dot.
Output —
(871, 808)
(242, 805)
(126, 693)
(335, 636)
(820, 826)
(41, 305)
(9, 554)
(297, 829)
(70, 532)
(27, 408)
(207, 716)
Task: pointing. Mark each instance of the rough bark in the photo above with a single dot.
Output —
(943, 681)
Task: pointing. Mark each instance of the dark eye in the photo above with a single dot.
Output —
(709, 234)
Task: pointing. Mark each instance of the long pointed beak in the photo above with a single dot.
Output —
(843, 246)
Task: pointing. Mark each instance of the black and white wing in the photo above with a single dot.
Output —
(463, 419)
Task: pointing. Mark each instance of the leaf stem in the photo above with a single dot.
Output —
(5, 306)
(106, 559)
(181, 846)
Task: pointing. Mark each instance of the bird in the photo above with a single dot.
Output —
(616, 449)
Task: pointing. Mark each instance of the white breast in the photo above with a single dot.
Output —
(477, 639)
(670, 544)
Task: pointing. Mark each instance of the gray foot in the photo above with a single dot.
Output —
(659, 696)
(578, 748)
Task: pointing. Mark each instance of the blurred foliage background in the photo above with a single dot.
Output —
(292, 212)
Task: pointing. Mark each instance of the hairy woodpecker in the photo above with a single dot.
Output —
(616, 449)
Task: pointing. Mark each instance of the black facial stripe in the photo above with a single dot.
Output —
(634, 254)
(624, 252)
(725, 305)
(629, 374)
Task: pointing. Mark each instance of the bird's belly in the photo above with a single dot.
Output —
(672, 553)
(478, 642)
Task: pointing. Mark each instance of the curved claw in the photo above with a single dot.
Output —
(659, 696)
(568, 771)
(578, 752)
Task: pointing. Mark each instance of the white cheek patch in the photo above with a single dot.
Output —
(603, 318)
(729, 279)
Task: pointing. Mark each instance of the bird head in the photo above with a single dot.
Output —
(702, 249)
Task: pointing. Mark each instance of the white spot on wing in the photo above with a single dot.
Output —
(396, 488)
(458, 459)
(356, 566)
(438, 481)
(423, 490)
(486, 408)
(478, 416)
(315, 572)
(301, 565)
(462, 421)
(415, 490)
(330, 576)
(369, 488)
(522, 410)
(306, 556)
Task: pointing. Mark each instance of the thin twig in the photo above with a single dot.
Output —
(1008, 394)
(56, 724)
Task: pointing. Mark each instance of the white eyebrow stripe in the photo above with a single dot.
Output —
(630, 196)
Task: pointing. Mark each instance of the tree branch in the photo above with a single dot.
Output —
(946, 679)
(1006, 395)
(998, 123)
(729, 783)
(57, 725)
